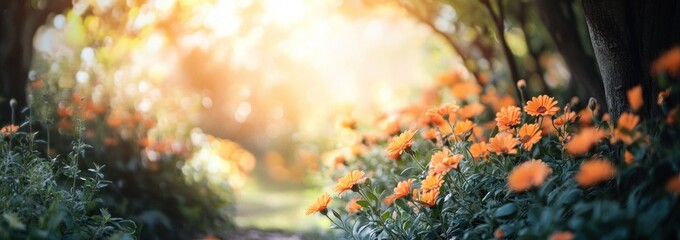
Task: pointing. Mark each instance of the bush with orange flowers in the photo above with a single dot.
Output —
(537, 170)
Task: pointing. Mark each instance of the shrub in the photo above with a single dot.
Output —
(498, 170)
(50, 197)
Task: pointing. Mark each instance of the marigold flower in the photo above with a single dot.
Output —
(503, 143)
(353, 206)
(402, 189)
(479, 150)
(528, 174)
(629, 158)
(508, 117)
(447, 110)
(400, 144)
(541, 106)
(439, 156)
(566, 235)
(627, 121)
(349, 181)
(584, 140)
(635, 97)
(463, 90)
(529, 134)
(9, 130)
(432, 182)
(595, 171)
(321, 205)
(427, 198)
(673, 185)
(463, 127)
(624, 129)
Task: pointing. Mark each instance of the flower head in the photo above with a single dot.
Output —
(528, 174)
(673, 185)
(669, 62)
(432, 182)
(349, 181)
(635, 97)
(566, 235)
(463, 127)
(9, 130)
(479, 150)
(402, 189)
(321, 205)
(400, 144)
(628, 157)
(508, 117)
(427, 198)
(566, 118)
(584, 140)
(503, 143)
(353, 206)
(446, 164)
(529, 135)
(595, 171)
(541, 106)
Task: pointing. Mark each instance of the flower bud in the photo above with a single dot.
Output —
(592, 104)
(13, 103)
(521, 84)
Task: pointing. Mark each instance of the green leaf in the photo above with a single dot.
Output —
(506, 210)
(363, 203)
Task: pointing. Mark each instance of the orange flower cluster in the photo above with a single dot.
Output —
(429, 190)
(9, 130)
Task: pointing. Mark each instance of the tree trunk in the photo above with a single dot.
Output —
(627, 36)
(560, 20)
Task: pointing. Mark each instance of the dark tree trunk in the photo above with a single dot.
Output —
(18, 22)
(560, 20)
(627, 36)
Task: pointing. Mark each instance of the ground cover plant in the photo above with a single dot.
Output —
(491, 167)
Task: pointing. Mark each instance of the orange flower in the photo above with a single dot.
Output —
(402, 190)
(463, 90)
(349, 181)
(624, 129)
(9, 130)
(499, 234)
(432, 182)
(663, 95)
(635, 97)
(529, 135)
(503, 143)
(672, 116)
(444, 166)
(541, 106)
(566, 235)
(439, 156)
(353, 206)
(673, 185)
(427, 198)
(628, 157)
(447, 110)
(627, 121)
(400, 144)
(595, 171)
(349, 123)
(565, 118)
(463, 128)
(37, 84)
(669, 62)
(508, 117)
(584, 140)
(429, 134)
(528, 174)
(471, 110)
(479, 150)
(321, 205)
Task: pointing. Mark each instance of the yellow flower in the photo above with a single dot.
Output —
(635, 97)
(503, 143)
(349, 181)
(595, 171)
(400, 144)
(528, 174)
(508, 117)
(321, 205)
(541, 106)
(479, 150)
(529, 135)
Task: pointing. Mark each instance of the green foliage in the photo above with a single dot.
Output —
(51, 198)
